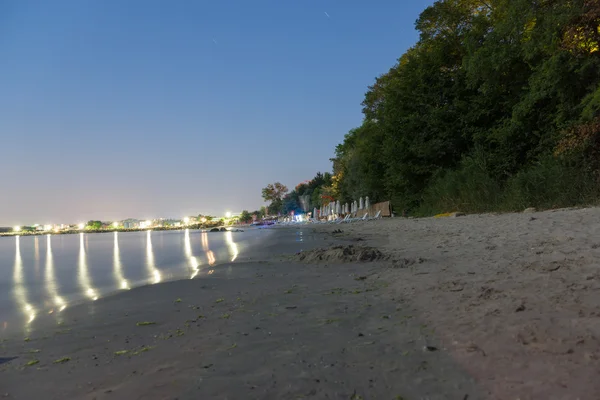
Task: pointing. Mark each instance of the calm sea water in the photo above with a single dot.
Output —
(42, 275)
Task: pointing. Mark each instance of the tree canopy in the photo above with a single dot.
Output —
(494, 84)
(497, 106)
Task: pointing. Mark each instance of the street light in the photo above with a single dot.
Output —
(186, 220)
(81, 226)
(17, 228)
(116, 224)
(228, 214)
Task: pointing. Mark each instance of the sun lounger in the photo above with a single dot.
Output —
(345, 219)
(377, 216)
(363, 218)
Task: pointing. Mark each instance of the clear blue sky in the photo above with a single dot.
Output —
(116, 108)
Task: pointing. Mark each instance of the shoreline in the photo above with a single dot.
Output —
(484, 306)
(268, 327)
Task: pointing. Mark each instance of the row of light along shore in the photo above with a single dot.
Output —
(335, 208)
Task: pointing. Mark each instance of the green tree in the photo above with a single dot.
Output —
(245, 217)
(95, 225)
(489, 90)
(274, 192)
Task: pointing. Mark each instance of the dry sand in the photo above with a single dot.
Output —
(513, 298)
(476, 307)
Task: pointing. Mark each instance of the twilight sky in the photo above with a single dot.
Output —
(146, 108)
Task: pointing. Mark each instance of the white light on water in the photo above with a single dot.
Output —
(117, 265)
(20, 290)
(233, 249)
(50, 278)
(153, 271)
(83, 271)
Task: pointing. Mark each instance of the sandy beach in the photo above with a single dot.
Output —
(474, 307)
(513, 298)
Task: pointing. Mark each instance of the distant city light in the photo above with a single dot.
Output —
(81, 226)
(186, 220)
(145, 224)
(116, 224)
(47, 227)
(17, 228)
(228, 214)
(203, 219)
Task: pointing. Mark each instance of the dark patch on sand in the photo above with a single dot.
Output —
(343, 254)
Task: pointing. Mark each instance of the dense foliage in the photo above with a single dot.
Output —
(495, 107)
(304, 197)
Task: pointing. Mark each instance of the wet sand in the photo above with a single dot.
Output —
(271, 327)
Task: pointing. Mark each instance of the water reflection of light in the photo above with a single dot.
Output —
(117, 265)
(154, 272)
(84, 273)
(51, 286)
(36, 246)
(233, 249)
(209, 254)
(194, 264)
(19, 286)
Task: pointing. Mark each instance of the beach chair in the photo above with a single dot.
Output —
(363, 218)
(377, 216)
(346, 218)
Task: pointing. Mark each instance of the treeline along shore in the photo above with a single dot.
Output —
(495, 108)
